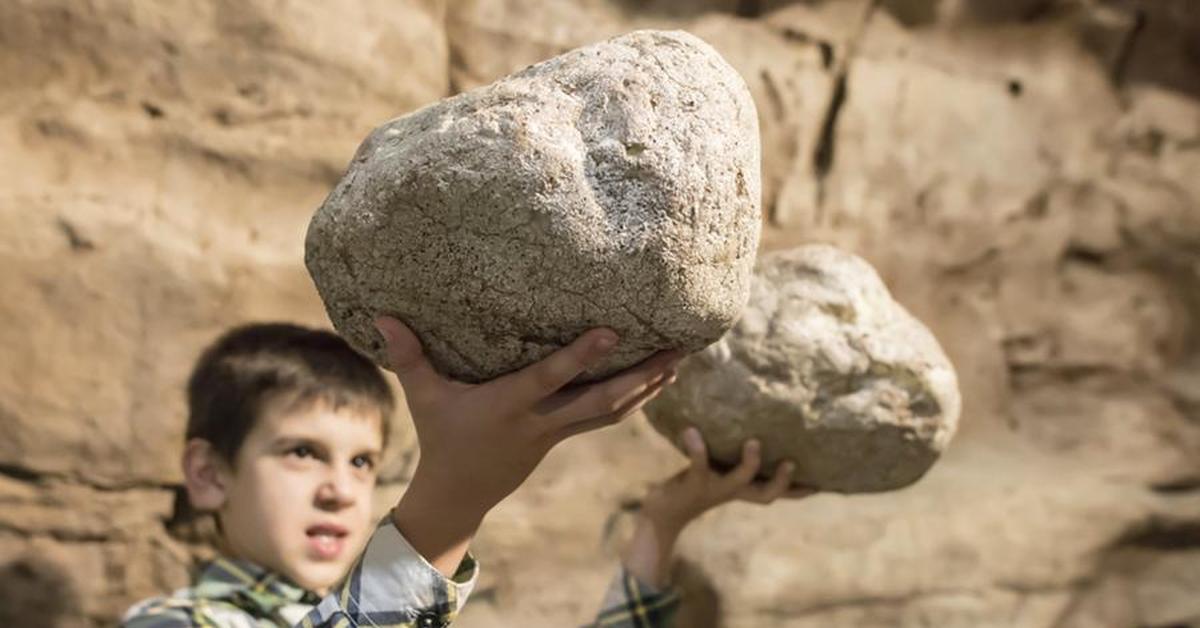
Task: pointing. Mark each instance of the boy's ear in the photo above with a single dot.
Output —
(204, 475)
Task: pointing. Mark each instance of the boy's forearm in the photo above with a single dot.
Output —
(436, 526)
(648, 556)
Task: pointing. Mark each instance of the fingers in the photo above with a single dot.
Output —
(739, 483)
(633, 405)
(537, 381)
(406, 358)
(744, 472)
(697, 452)
(774, 489)
(611, 396)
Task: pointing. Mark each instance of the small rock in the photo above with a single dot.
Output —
(827, 371)
(615, 185)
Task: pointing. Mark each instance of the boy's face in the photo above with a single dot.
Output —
(298, 498)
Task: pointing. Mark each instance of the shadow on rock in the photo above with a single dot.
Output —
(34, 592)
(1155, 43)
(701, 607)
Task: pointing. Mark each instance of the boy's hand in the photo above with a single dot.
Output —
(479, 442)
(670, 506)
(698, 488)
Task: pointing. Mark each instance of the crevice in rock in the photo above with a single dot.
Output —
(1037, 12)
(825, 151)
(152, 110)
(913, 13)
(748, 8)
(823, 154)
(1125, 50)
(774, 97)
(824, 47)
(32, 476)
(1160, 535)
(982, 261)
(662, 337)
(1076, 253)
(826, 50)
(1025, 376)
(75, 238)
(20, 474)
(65, 536)
(1178, 486)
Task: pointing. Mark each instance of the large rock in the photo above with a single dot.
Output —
(828, 371)
(616, 185)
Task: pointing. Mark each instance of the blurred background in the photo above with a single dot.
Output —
(1024, 173)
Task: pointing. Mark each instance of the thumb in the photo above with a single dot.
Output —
(405, 357)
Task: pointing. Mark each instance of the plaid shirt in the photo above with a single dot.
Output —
(630, 603)
(391, 586)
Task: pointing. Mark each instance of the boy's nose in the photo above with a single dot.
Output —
(337, 491)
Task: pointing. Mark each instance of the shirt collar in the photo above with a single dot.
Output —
(250, 587)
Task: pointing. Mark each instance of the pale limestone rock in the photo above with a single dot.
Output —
(827, 371)
(616, 185)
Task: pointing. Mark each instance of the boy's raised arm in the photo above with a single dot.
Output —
(478, 443)
(640, 596)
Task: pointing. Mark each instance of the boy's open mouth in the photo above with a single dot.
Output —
(326, 540)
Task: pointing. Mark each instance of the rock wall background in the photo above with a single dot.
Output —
(1024, 173)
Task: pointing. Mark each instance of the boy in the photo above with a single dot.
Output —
(285, 429)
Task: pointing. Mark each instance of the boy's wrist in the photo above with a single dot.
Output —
(649, 553)
(666, 521)
(439, 527)
(668, 530)
(428, 494)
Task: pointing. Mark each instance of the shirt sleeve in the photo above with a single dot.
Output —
(631, 603)
(159, 612)
(393, 586)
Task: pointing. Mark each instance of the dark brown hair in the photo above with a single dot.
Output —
(264, 367)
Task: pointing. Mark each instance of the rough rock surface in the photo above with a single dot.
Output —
(827, 371)
(616, 185)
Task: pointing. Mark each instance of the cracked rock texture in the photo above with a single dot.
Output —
(826, 370)
(1024, 175)
(616, 185)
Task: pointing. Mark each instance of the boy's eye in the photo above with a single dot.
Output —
(363, 462)
(302, 451)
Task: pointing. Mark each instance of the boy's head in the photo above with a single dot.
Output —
(285, 429)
